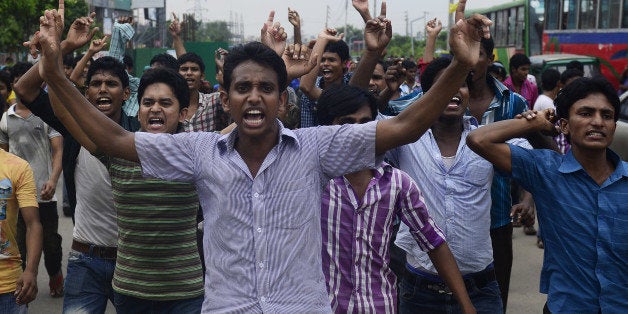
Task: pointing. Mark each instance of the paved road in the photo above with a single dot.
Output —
(524, 296)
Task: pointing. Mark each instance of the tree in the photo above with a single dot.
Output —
(21, 19)
(214, 31)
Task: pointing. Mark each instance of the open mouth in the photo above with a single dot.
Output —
(156, 122)
(327, 73)
(454, 103)
(595, 134)
(103, 103)
(253, 118)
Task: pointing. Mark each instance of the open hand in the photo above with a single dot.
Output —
(466, 34)
(273, 35)
(298, 61)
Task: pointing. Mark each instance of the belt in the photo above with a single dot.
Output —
(479, 280)
(105, 252)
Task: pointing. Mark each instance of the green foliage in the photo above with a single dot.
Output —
(214, 31)
(21, 19)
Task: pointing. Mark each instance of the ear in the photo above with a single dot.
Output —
(283, 99)
(182, 114)
(224, 99)
(564, 126)
(127, 93)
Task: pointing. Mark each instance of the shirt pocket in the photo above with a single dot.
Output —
(294, 202)
(477, 173)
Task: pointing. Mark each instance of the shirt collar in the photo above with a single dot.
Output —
(570, 165)
(11, 111)
(226, 142)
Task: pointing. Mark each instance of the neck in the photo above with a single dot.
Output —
(480, 96)
(595, 163)
(551, 93)
(445, 129)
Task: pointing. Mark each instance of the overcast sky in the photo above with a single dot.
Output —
(313, 12)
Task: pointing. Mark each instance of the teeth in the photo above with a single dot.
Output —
(254, 112)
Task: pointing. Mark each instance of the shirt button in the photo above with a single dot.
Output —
(263, 299)
(256, 195)
(259, 230)
(261, 264)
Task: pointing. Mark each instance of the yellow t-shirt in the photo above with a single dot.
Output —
(17, 190)
(11, 97)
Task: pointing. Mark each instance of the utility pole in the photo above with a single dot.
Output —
(327, 17)
(346, 13)
(406, 18)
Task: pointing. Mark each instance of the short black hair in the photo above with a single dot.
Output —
(109, 65)
(128, 61)
(430, 71)
(7, 79)
(340, 47)
(192, 57)
(517, 60)
(408, 64)
(340, 100)
(550, 79)
(166, 60)
(20, 69)
(569, 74)
(582, 87)
(260, 54)
(575, 64)
(68, 60)
(169, 77)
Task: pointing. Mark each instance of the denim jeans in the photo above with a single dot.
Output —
(88, 283)
(415, 299)
(8, 305)
(128, 304)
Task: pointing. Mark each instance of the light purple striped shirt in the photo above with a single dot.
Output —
(262, 235)
(357, 235)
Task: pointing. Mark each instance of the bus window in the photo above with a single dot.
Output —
(512, 26)
(588, 9)
(609, 13)
(570, 14)
(552, 18)
(624, 20)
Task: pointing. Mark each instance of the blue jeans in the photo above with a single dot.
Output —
(9, 306)
(415, 298)
(128, 304)
(88, 283)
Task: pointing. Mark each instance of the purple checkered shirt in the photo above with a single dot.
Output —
(357, 234)
(208, 116)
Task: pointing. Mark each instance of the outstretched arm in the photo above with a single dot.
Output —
(175, 31)
(96, 46)
(116, 141)
(362, 6)
(377, 35)
(79, 34)
(308, 81)
(295, 20)
(432, 28)
(412, 122)
(489, 141)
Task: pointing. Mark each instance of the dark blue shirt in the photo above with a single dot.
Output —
(585, 230)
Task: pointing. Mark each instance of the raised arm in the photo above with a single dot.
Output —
(116, 141)
(175, 31)
(362, 6)
(295, 20)
(298, 61)
(489, 141)
(95, 47)
(412, 122)
(79, 34)
(273, 35)
(308, 81)
(377, 35)
(122, 32)
(395, 76)
(432, 28)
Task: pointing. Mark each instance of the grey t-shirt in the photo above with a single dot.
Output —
(29, 138)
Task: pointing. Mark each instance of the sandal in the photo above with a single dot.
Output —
(56, 285)
(539, 243)
(529, 230)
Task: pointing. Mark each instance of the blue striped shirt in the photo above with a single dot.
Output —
(458, 199)
(262, 234)
(585, 230)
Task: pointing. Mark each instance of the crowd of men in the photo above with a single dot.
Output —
(304, 183)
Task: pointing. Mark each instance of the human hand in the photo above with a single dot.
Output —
(544, 119)
(330, 35)
(175, 27)
(433, 27)
(466, 34)
(125, 20)
(26, 288)
(80, 33)
(48, 190)
(273, 35)
(362, 6)
(298, 61)
(48, 42)
(294, 18)
(219, 58)
(97, 45)
(523, 213)
(395, 75)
